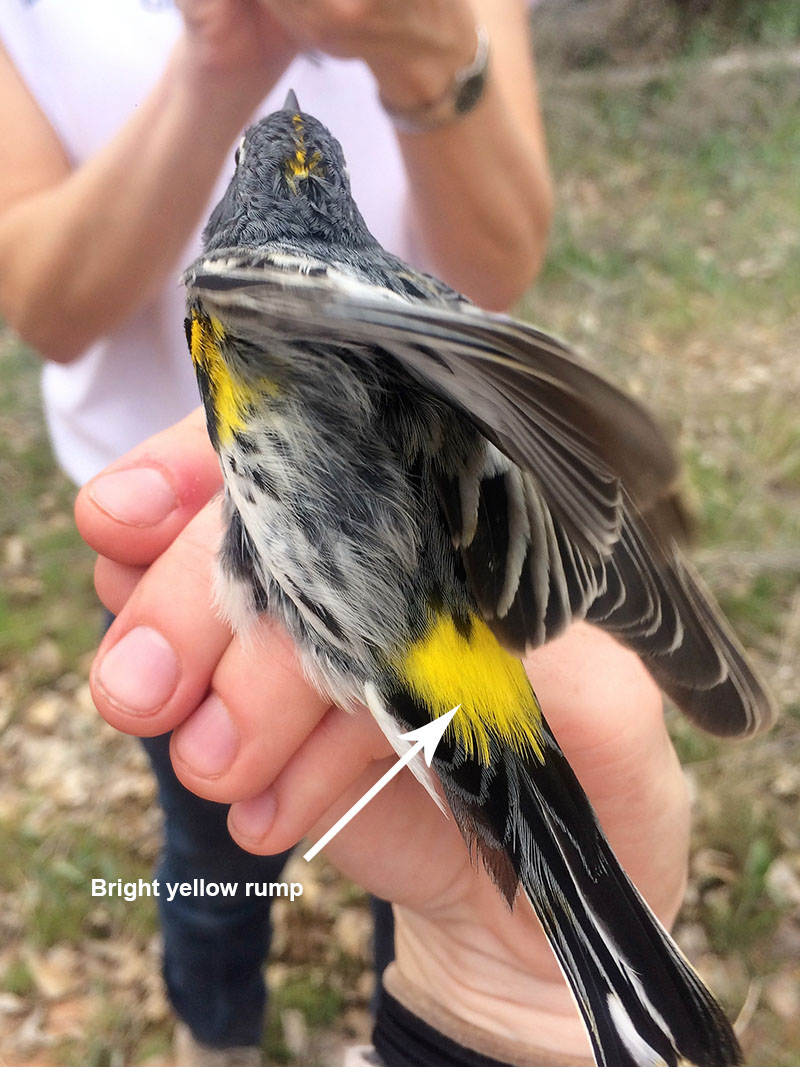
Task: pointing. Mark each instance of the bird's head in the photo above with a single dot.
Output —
(290, 182)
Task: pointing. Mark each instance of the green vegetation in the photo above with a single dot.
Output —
(45, 569)
(309, 993)
(55, 870)
(674, 265)
(708, 26)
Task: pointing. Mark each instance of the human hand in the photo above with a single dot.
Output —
(249, 730)
(232, 37)
(412, 46)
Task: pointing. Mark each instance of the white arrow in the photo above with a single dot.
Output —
(427, 738)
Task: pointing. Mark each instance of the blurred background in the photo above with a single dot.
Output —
(675, 266)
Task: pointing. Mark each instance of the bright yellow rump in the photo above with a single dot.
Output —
(468, 666)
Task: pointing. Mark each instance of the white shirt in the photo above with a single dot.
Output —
(89, 64)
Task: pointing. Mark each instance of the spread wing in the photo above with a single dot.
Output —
(578, 435)
(571, 514)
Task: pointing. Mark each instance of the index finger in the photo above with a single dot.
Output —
(134, 509)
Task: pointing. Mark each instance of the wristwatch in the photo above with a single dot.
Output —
(460, 97)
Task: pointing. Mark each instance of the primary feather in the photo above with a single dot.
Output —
(421, 491)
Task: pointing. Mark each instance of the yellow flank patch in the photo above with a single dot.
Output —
(447, 667)
(231, 397)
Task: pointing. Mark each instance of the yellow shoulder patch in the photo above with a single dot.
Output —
(230, 397)
(467, 665)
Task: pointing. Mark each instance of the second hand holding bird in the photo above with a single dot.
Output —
(292, 764)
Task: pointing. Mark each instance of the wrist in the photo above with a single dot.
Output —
(410, 1031)
(462, 94)
(423, 74)
(483, 987)
(223, 92)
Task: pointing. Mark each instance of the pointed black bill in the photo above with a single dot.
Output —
(291, 104)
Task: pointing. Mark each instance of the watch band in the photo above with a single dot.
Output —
(460, 97)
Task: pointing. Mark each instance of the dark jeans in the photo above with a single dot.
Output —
(215, 947)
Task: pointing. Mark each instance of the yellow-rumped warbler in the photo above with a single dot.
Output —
(419, 491)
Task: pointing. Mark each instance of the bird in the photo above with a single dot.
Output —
(420, 492)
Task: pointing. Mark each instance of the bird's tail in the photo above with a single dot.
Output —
(642, 1003)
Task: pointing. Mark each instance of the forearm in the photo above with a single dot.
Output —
(481, 185)
(78, 256)
(484, 217)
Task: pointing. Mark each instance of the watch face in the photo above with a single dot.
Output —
(469, 92)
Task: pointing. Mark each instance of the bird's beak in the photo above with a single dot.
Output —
(291, 104)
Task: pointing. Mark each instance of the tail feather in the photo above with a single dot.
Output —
(642, 1003)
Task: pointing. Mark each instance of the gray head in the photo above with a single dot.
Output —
(290, 183)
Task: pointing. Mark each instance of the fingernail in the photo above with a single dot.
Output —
(208, 741)
(251, 819)
(138, 496)
(140, 672)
